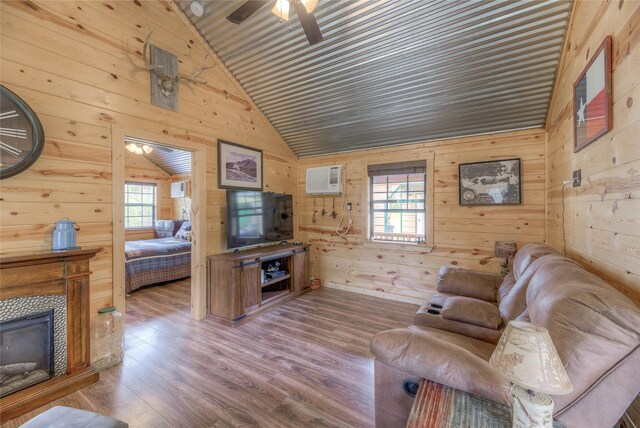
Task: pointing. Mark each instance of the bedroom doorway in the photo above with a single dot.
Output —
(157, 214)
(159, 211)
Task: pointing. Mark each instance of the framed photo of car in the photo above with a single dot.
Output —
(490, 183)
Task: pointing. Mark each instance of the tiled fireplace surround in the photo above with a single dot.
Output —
(37, 282)
(20, 307)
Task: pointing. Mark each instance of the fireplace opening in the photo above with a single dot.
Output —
(26, 351)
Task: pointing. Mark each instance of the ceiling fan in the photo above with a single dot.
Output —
(303, 9)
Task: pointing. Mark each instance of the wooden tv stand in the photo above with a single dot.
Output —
(236, 285)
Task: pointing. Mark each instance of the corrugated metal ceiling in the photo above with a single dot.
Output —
(171, 160)
(393, 72)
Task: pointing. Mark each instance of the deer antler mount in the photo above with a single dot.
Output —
(163, 71)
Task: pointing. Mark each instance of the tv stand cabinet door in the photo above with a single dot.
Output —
(225, 289)
(250, 286)
(301, 261)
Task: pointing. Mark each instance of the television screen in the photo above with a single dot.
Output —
(257, 218)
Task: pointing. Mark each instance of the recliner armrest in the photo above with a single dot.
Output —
(468, 283)
(424, 355)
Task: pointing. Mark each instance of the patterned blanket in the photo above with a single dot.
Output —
(156, 260)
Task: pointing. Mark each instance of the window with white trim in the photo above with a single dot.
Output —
(139, 205)
(397, 202)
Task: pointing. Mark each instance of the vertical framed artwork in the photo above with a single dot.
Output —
(592, 99)
(239, 167)
(490, 183)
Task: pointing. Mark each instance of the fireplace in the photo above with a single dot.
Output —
(44, 328)
(26, 351)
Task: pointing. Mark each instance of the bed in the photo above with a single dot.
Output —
(156, 260)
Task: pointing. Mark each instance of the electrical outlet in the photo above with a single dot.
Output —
(349, 206)
(577, 178)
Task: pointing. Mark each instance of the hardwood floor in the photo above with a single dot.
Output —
(304, 363)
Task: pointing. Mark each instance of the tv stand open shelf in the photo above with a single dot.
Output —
(275, 280)
(236, 286)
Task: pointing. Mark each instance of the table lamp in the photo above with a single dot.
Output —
(526, 357)
(506, 250)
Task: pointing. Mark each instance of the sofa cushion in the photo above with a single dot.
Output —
(472, 311)
(463, 282)
(444, 357)
(528, 254)
(593, 326)
(515, 302)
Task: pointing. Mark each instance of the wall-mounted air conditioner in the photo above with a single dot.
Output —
(324, 180)
(178, 189)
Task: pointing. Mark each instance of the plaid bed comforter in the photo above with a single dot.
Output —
(156, 260)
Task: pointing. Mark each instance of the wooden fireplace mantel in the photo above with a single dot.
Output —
(52, 273)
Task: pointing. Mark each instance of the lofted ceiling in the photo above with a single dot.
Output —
(393, 72)
(173, 161)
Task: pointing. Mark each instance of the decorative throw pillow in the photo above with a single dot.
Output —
(184, 232)
(472, 311)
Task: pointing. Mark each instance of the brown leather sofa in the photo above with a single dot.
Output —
(480, 304)
(595, 328)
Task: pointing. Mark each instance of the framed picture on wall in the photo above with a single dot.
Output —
(239, 167)
(592, 99)
(490, 183)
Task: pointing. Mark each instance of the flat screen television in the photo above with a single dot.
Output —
(258, 218)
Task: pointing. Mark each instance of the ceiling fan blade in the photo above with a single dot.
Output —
(308, 22)
(246, 10)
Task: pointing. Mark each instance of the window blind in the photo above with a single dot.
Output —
(408, 167)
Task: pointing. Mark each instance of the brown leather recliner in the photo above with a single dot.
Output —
(595, 328)
(480, 304)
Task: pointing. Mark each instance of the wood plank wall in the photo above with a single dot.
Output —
(602, 217)
(463, 236)
(140, 169)
(177, 204)
(78, 64)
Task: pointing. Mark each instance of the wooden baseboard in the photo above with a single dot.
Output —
(31, 398)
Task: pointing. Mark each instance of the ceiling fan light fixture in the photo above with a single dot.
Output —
(309, 5)
(197, 9)
(281, 9)
(138, 148)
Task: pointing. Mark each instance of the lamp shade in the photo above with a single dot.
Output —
(309, 5)
(525, 356)
(506, 249)
(281, 9)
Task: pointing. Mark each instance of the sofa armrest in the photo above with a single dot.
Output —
(472, 311)
(423, 355)
(468, 283)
